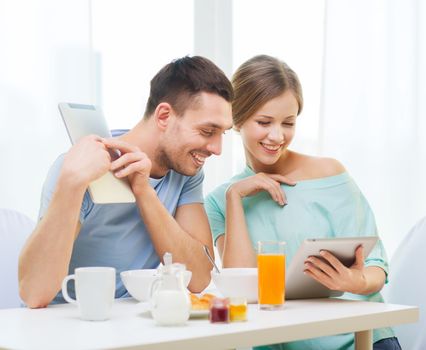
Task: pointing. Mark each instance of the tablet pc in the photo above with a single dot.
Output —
(301, 286)
(82, 120)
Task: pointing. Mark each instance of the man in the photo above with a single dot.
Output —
(188, 110)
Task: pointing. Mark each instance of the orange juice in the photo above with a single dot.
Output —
(271, 279)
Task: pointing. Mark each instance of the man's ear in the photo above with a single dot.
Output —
(162, 114)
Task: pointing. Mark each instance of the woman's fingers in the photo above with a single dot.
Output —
(274, 189)
(322, 265)
(359, 257)
(319, 275)
(280, 179)
(329, 271)
(333, 261)
(270, 183)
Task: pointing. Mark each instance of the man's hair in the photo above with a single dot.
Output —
(181, 81)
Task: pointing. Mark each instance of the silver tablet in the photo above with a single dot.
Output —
(301, 286)
(82, 120)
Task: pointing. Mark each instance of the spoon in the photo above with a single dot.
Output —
(207, 251)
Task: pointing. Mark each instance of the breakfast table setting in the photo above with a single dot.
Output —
(131, 326)
(241, 308)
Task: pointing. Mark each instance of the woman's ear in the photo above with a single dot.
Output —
(162, 114)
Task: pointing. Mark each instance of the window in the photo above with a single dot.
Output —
(293, 32)
(132, 40)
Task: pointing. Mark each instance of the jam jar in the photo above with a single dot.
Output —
(219, 310)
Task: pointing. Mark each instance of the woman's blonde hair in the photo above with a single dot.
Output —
(259, 80)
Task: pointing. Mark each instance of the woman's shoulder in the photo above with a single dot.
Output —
(327, 166)
(318, 167)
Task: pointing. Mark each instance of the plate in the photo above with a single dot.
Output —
(199, 313)
(145, 311)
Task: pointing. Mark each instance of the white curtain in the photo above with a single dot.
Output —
(44, 59)
(373, 105)
(372, 114)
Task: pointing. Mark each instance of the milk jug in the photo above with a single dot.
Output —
(170, 303)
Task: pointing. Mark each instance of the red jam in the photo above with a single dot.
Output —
(219, 310)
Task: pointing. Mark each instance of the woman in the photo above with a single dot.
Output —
(311, 196)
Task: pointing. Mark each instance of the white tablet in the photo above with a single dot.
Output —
(301, 286)
(82, 120)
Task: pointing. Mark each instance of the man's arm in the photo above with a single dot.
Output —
(45, 258)
(183, 236)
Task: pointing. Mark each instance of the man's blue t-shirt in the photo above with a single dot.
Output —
(115, 234)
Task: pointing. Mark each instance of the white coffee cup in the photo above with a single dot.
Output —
(94, 290)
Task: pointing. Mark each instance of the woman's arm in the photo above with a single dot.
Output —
(356, 217)
(235, 247)
(237, 250)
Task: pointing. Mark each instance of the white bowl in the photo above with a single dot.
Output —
(138, 282)
(237, 282)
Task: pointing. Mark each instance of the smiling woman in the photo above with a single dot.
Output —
(272, 127)
(287, 196)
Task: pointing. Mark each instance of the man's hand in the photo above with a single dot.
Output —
(262, 182)
(86, 161)
(329, 271)
(132, 163)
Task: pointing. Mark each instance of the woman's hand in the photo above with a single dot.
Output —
(270, 183)
(330, 272)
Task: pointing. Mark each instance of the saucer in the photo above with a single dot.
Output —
(198, 313)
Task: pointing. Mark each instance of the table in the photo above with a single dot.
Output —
(131, 326)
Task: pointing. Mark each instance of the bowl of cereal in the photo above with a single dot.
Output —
(138, 282)
(237, 282)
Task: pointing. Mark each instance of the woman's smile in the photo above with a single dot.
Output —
(270, 149)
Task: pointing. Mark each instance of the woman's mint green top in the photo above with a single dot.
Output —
(326, 207)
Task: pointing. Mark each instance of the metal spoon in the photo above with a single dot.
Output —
(207, 251)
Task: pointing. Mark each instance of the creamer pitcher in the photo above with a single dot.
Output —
(170, 304)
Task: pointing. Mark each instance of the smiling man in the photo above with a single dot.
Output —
(188, 110)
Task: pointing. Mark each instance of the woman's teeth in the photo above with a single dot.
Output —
(271, 147)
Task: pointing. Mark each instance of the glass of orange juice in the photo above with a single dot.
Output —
(271, 274)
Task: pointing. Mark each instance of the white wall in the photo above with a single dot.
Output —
(374, 107)
(44, 59)
(132, 40)
(361, 63)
